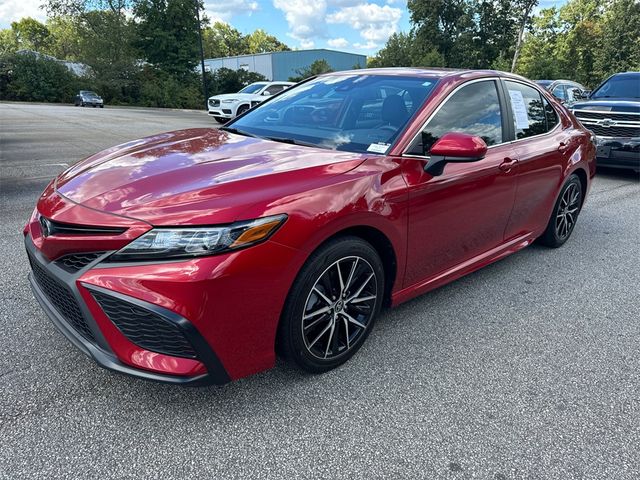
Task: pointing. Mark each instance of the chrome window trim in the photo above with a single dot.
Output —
(435, 112)
(476, 80)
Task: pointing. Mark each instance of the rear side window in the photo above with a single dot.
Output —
(528, 110)
(552, 116)
(474, 109)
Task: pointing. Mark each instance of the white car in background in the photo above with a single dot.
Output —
(227, 106)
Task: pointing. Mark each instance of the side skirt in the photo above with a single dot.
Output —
(463, 268)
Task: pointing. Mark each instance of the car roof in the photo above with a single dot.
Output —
(451, 73)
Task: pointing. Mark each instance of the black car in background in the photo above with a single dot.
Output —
(612, 112)
(88, 98)
(567, 91)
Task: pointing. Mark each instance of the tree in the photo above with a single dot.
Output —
(620, 38)
(31, 34)
(397, 52)
(260, 41)
(8, 42)
(167, 32)
(526, 7)
(316, 68)
(222, 40)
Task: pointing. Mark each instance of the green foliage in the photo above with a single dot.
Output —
(33, 78)
(31, 34)
(585, 40)
(260, 42)
(225, 80)
(167, 34)
(316, 68)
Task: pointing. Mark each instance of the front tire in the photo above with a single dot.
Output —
(332, 306)
(565, 214)
(242, 109)
(221, 120)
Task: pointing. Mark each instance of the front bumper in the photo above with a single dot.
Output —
(221, 112)
(91, 334)
(618, 152)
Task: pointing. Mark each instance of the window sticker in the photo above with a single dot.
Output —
(378, 147)
(519, 109)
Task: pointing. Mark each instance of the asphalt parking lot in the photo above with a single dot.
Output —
(527, 369)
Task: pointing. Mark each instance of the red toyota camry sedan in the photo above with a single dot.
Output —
(194, 256)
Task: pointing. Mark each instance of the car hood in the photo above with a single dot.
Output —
(631, 105)
(197, 176)
(237, 96)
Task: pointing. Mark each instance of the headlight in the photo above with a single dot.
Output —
(170, 243)
(229, 100)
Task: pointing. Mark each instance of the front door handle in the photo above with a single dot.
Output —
(507, 164)
(563, 147)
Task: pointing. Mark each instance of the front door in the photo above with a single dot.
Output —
(462, 213)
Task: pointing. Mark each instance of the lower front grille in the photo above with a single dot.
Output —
(62, 299)
(627, 132)
(145, 328)
(75, 262)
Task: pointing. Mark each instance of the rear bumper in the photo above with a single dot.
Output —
(618, 152)
(95, 344)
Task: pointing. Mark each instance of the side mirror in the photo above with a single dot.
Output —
(454, 147)
(266, 93)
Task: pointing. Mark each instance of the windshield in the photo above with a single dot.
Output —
(87, 93)
(355, 113)
(253, 88)
(619, 86)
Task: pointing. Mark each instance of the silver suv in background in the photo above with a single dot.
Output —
(227, 106)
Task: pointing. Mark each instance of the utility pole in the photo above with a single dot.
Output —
(204, 79)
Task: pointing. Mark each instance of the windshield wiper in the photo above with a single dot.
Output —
(238, 132)
(297, 142)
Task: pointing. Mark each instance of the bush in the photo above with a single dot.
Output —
(27, 77)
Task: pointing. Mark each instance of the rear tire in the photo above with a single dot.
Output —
(332, 306)
(565, 214)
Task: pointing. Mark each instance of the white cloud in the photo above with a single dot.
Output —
(366, 46)
(223, 10)
(306, 19)
(12, 10)
(375, 23)
(338, 42)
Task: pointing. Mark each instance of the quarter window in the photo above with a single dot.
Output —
(474, 110)
(528, 110)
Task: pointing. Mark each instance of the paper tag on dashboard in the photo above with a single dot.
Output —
(378, 147)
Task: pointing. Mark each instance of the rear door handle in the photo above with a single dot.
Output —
(507, 164)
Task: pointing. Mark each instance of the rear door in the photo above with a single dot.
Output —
(462, 213)
(542, 148)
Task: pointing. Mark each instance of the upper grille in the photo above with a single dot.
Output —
(51, 227)
(145, 328)
(214, 103)
(62, 299)
(613, 131)
(595, 115)
(75, 262)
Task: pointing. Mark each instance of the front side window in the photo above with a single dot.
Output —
(252, 88)
(528, 110)
(474, 110)
(355, 113)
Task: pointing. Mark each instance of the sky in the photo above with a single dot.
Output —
(361, 26)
